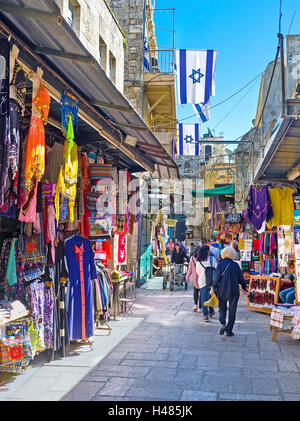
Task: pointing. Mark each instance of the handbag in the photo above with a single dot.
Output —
(33, 273)
(32, 249)
(91, 200)
(15, 347)
(232, 218)
(234, 227)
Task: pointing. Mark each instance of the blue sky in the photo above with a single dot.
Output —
(245, 35)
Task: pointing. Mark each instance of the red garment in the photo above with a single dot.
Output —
(255, 245)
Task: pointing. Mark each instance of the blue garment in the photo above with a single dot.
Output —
(205, 296)
(227, 286)
(214, 251)
(288, 295)
(80, 309)
(232, 307)
(103, 295)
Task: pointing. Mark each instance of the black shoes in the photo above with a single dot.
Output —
(222, 330)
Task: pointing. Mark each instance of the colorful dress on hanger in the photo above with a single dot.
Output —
(82, 269)
(68, 175)
(283, 206)
(259, 206)
(35, 157)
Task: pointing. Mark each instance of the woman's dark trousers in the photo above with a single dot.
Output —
(233, 302)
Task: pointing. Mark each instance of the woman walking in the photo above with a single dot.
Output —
(204, 260)
(226, 287)
(192, 274)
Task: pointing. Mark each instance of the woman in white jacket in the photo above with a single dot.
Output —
(204, 260)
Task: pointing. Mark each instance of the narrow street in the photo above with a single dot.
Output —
(173, 355)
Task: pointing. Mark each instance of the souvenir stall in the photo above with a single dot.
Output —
(61, 231)
(267, 244)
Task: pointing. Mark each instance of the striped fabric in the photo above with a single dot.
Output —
(97, 171)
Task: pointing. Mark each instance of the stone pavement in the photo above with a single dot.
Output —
(173, 355)
(50, 381)
(166, 352)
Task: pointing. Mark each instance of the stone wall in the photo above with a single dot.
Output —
(130, 14)
(94, 19)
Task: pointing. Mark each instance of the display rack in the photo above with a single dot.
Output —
(265, 291)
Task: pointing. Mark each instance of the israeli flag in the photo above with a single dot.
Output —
(195, 75)
(202, 111)
(188, 134)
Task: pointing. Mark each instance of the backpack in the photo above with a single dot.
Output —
(210, 273)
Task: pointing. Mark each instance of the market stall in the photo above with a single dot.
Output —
(68, 220)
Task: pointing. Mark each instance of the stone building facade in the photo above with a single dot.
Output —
(100, 32)
(130, 15)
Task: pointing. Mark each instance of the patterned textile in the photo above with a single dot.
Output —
(259, 206)
(35, 295)
(4, 117)
(69, 109)
(121, 225)
(47, 194)
(48, 316)
(35, 156)
(15, 348)
(19, 83)
(15, 138)
(32, 249)
(276, 319)
(97, 171)
(91, 200)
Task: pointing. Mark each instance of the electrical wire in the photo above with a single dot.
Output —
(236, 105)
(213, 106)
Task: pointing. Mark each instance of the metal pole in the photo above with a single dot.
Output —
(280, 36)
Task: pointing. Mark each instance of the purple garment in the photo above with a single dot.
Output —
(80, 309)
(259, 206)
(214, 207)
(48, 317)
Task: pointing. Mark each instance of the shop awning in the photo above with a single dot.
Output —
(282, 151)
(229, 189)
(50, 41)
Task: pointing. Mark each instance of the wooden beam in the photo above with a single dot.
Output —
(156, 103)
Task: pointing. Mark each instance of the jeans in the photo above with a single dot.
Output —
(205, 296)
(288, 295)
(197, 297)
(233, 301)
(178, 270)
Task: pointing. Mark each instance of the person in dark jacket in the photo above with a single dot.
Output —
(226, 286)
(178, 257)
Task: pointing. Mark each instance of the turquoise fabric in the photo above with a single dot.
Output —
(11, 272)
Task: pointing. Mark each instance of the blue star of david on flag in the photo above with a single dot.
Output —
(188, 139)
(195, 71)
(196, 76)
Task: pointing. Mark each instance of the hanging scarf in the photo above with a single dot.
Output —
(69, 109)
